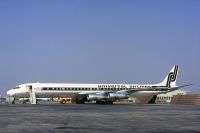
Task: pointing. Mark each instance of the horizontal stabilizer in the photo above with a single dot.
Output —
(178, 87)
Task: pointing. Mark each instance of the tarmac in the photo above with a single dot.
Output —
(93, 118)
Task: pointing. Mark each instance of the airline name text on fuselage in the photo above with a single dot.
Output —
(123, 86)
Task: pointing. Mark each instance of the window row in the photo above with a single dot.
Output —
(179, 93)
(87, 89)
(140, 86)
(163, 98)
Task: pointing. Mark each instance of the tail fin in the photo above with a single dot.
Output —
(170, 79)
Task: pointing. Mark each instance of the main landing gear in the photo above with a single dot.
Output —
(80, 100)
(104, 102)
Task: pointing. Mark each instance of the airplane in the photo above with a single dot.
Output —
(101, 93)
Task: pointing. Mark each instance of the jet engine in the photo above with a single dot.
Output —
(95, 97)
(117, 96)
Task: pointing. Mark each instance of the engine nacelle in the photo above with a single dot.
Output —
(95, 97)
(117, 96)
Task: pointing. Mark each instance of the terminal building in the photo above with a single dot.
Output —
(166, 98)
(191, 99)
(155, 99)
(174, 97)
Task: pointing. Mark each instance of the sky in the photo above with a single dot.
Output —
(101, 41)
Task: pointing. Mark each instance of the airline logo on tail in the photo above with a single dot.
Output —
(170, 79)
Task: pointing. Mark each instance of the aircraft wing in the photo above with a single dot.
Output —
(166, 89)
(125, 93)
(103, 92)
(136, 90)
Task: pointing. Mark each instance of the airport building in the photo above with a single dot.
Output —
(155, 99)
(166, 98)
(192, 99)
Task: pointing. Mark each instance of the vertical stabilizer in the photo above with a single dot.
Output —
(170, 79)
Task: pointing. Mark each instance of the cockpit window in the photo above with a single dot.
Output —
(17, 87)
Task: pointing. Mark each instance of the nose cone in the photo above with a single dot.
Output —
(10, 93)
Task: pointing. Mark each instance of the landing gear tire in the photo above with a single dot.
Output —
(80, 102)
(63, 101)
(24, 102)
(108, 102)
(104, 102)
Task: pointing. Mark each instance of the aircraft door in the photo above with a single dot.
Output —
(30, 88)
(32, 94)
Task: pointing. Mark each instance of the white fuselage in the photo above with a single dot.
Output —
(45, 90)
